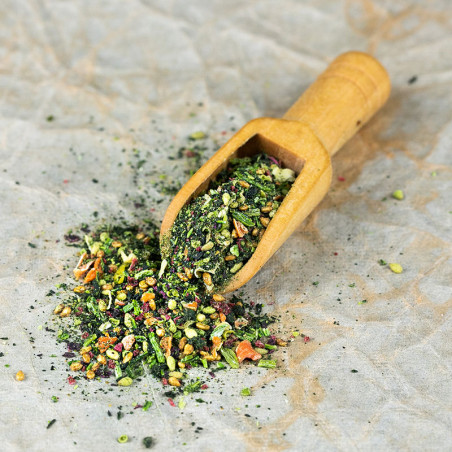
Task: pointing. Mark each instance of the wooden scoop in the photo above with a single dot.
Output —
(332, 110)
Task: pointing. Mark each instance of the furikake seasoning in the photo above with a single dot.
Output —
(217, 233)
(132, 312)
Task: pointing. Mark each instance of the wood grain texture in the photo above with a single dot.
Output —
(343, 98)
(332, 110)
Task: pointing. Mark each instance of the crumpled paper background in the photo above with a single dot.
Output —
(83, 84)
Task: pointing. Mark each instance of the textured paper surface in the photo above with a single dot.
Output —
(130, 75)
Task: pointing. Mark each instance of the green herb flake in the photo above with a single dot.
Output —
(192, 387)
(230, 357)
(267, 363)
(197, 135)
(245, 392)
(147, 405)
(50, 423)
(148, 442)
(182, 404)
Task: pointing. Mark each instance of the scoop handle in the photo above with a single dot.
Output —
(342, 99)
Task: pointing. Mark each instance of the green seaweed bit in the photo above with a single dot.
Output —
(218, 232)
(139, 321)
(148, 442)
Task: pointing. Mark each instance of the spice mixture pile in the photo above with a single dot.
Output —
(133, 310)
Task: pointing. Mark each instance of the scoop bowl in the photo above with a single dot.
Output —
(332, 110)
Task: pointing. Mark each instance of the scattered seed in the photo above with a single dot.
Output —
(102, 359)
(182, 343)
(236, 267)
(207, 278)
(264, 221)
(197, 135)
(126, 381)
(396, 268)
(160, 332)
(398, 194)
(58, 309)
(20, 376)
(75, 366)
(207, 247)
(150, 281)
(66, 312)
(143, 285)
(173, 381)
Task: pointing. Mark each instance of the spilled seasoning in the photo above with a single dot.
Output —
(133, 311)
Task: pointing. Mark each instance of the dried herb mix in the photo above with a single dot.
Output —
(217, 233)
(131, 310)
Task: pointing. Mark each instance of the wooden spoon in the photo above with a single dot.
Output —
(332, 110)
